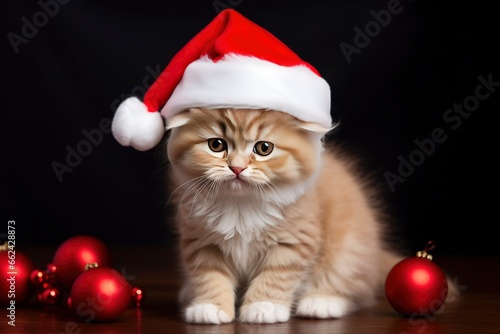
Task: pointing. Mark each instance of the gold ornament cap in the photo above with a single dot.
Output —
(91, 266)
(425, 253)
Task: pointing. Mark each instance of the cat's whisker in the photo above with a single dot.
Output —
(196, 186)
(195, 180)
(214, 189)
(212, 192)
(271, 186)
(260, 190)
(188, 191)
(160, 168)
(206, 183)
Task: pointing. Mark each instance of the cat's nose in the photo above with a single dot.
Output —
(237, 170)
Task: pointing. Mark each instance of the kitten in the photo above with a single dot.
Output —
(270, 222)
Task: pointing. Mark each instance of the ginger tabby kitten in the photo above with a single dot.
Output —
(270, 223)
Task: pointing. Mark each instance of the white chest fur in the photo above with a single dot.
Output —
(242, 253)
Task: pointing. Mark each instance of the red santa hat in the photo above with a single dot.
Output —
(231, 63)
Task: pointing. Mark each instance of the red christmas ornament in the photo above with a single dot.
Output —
(137, 295)
(15, 271)
(69, 304)
(416, 285)
(100, 294)
(51, 274)
(48, 288)
(49, 297)
(72, 256)
(37, 278)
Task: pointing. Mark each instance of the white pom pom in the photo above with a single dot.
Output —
(133, 125)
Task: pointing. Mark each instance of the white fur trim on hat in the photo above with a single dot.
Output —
(248, 82)
(133, 125)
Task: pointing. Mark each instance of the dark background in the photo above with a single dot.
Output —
(69, 75)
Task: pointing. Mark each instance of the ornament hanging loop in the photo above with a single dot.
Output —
(425, 253)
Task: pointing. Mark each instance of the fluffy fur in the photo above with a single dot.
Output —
(264, 237)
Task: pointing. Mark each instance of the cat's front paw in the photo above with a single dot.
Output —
(322, 307)
(264, 312)
(206, 314)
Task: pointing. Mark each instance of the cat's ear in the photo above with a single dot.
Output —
(178, 120)
(315, 127)
(183, 117)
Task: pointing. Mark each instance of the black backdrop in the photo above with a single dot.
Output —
(68, 63)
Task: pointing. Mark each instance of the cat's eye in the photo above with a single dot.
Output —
(263, 148)
(217, 144)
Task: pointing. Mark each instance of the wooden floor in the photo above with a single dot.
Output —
(477, 310)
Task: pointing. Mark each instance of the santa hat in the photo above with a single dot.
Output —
(231, 63)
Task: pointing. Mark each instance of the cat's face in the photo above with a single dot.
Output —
(240, 150)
